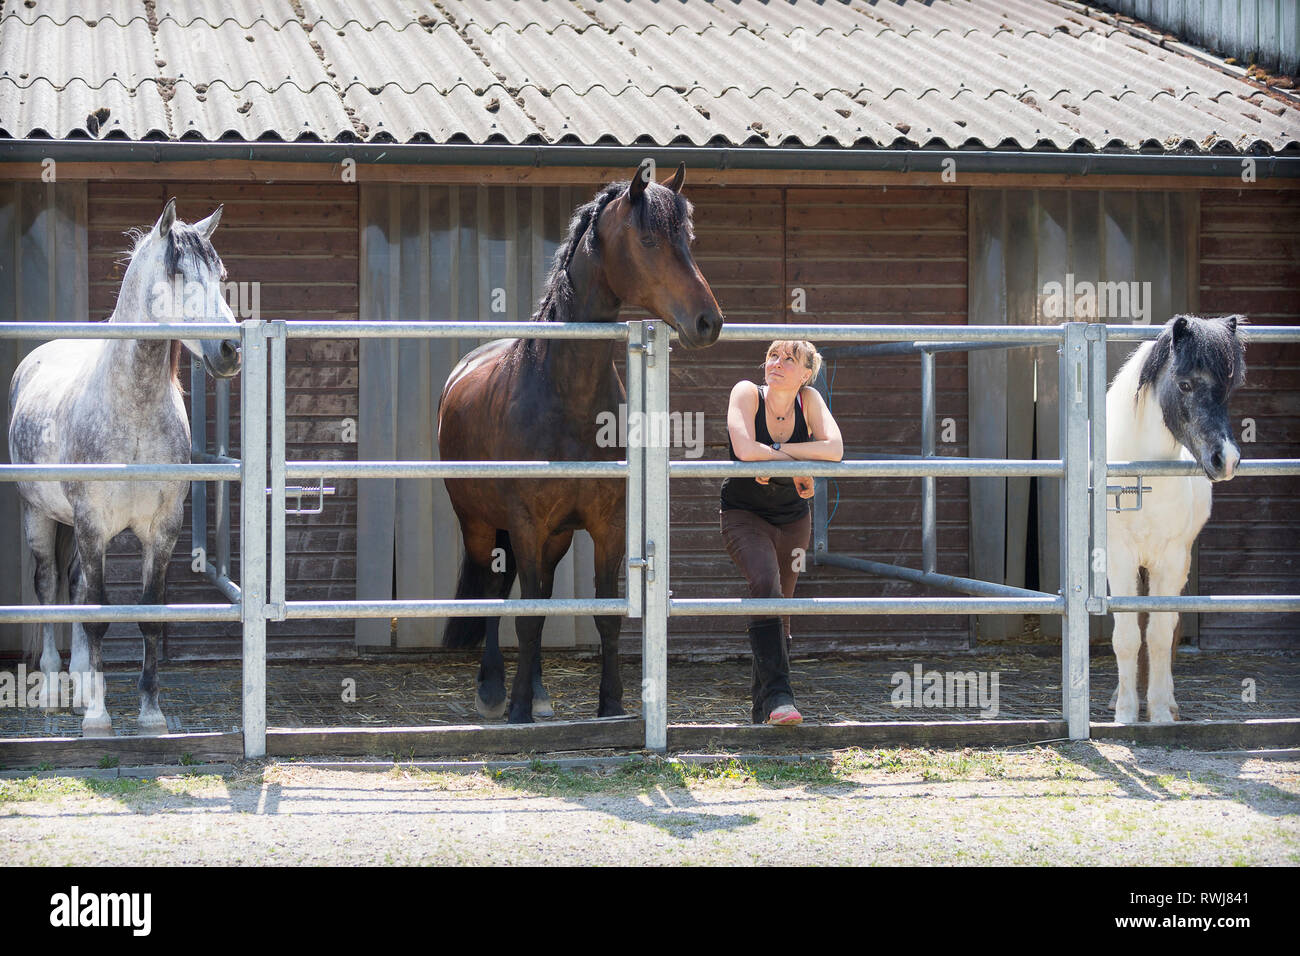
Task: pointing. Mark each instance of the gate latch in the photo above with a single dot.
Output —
(298, 492)
(647, 564)
(1120, 490)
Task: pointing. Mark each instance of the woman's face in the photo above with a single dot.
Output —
(783, 370)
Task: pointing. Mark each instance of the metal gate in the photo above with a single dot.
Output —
(263, 472)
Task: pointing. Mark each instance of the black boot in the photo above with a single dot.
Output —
(771, 668)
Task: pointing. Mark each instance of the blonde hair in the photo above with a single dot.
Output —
(804, 352)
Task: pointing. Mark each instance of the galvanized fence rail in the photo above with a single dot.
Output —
(263, 470)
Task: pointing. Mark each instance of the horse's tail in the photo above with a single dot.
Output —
(477, 581)
(68, 568)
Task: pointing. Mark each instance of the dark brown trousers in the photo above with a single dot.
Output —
(767, 556)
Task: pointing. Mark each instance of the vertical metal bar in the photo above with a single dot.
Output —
(1072, 391)
(223, 488)
(198, 445)
(276, 337)
(654, 641)
(636, 469)
(252, 538)
(821, 508)
(1097, 439)
(929, 533)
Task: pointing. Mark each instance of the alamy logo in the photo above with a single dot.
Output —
(651, 430)
(197, 300)
(948, 690)
(1097, 300)
(75, 908)
(35, 689)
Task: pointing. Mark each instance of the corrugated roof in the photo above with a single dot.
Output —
(1029, 74)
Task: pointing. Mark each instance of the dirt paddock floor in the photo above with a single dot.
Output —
(1082, 804)
(376, 693)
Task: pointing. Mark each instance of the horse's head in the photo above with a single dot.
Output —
(645, 238)
(1193, 369)
(182, 283)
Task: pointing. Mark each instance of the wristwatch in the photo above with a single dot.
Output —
(776, 446)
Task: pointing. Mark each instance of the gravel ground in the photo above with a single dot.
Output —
(1077, 804)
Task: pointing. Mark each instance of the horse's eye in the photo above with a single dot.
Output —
(648, 242)
(1185, 386)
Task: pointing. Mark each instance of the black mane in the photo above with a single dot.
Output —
(187, 242)
(1217, 346)
(660, 211)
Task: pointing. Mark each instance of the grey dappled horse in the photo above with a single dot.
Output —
(91, 401)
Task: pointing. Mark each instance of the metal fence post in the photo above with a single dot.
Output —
(636, 357)
(654, 641)
(929, 532)
(1097, 418)
(276, 337)
(1073, 385)
(252, 533)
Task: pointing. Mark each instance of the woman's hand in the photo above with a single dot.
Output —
(805, 486)
(763, 480)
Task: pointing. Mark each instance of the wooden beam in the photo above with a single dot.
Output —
(277, 172)
(696, 738)
(24, 752)
(401, 743)
(1270, 734)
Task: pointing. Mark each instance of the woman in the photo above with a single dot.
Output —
(765, 520)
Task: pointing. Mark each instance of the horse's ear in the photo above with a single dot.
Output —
(1180, 330)
(164, 224)
(679, 177)
(640, 179)
(209, 226)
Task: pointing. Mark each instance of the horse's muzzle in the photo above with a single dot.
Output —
(226, 362)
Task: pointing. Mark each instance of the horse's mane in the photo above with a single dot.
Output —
(557, 300)
(1214, 346)
(182, 241)
(659, 211)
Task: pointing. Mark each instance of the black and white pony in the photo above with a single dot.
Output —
(1169, 401)
(91, 401)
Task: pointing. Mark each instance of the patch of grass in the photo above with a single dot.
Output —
(187, 759)
(44, 765)
(108, 762)
(56, 788)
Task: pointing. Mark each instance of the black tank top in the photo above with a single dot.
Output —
(776, 502)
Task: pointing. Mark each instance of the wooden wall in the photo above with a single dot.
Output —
(862, 255)
(299, 242)
(1250, 263)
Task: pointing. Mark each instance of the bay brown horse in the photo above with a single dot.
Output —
(539, 399)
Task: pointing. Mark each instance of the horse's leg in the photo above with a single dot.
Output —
(609, 549)
(537, 561)
(154, 557)
(1122, 575)
(79, 666)
(1167, 577)
(90, 588)
(481, 542)
(40, 532)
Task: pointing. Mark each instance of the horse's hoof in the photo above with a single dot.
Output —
(153, 728)
(611, 710)
(1162, 716)
(1123, 715)
(97, 728)
(542, 706)
(519, 716)
(490, 711)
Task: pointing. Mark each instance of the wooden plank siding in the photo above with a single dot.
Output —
(865, 253)
(1250, 263)
(870, 255)
(299, 243)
